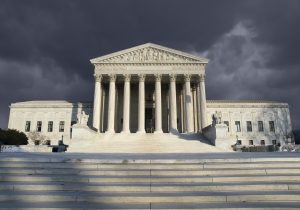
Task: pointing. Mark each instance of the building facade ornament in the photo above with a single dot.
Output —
(112, 77)
(187, 77)
(157, 77)
(127, 77)
(98, 77)
(202, 78)
(172, 77)
(142, 77)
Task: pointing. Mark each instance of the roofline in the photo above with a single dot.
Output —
(204, 60)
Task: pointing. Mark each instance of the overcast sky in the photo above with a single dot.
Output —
(253, 46)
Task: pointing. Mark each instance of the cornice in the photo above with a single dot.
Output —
(244, 104)
(145, 54)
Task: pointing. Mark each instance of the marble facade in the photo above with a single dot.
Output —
(153, 90)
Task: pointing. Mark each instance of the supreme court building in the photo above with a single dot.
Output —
(153, 90)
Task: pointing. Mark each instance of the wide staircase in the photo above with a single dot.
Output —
(65, 181)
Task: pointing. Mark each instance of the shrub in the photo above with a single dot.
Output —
(13, 137)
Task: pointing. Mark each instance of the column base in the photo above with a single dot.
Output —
(125, 132)
(141, 132)
(158, 131)
(110, 131)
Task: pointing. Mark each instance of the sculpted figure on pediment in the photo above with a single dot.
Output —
(148, 54)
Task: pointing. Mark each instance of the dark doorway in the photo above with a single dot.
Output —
(149, 117)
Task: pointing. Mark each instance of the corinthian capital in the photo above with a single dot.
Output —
(157, 77)
(127, 77)
(98, 77)
(142, 77)
(187, 77)
(172, 77)
(201, 77)
(112, 77)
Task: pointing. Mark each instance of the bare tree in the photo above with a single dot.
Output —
(37, 138)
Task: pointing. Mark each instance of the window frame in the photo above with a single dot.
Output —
(249, 126)
(238, 126)
(27, 126)
(50, 125)
(39, 125)
(272, 126)
(260, 126)
(227, 123)
(61, 128)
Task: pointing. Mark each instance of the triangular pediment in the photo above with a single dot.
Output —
(149, 53)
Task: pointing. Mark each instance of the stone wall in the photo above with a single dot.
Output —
(253, 111)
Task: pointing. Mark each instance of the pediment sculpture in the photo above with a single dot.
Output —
(148, 54)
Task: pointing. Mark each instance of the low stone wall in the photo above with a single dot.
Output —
(26, 148)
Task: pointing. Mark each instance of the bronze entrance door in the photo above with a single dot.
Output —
(149, 120)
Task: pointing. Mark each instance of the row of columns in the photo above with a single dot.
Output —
(201, 104)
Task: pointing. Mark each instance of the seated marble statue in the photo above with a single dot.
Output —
(82, 118)
(217, 118)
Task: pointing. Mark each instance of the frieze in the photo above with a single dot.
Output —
(148, 54)
(246, 106)
(145, 69)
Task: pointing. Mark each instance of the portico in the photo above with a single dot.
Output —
(149, 88)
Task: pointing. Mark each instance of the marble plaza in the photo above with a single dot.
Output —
(150, 98)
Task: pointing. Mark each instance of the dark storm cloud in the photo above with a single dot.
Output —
(45, 46)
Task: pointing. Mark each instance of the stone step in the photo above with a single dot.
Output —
(154, 166)
(153, 197)
(147, 187)
(203, 206)
(68, 182)
(153, 172)
(148, 179)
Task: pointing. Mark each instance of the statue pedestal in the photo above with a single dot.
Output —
(218, 135)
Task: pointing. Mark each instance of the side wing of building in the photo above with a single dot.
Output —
(53, 119)
(253, 122)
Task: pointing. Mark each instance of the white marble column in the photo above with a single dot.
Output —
(188, 104)
(173, 104)
(126, 104)
(111, 104)
(97, 102)
(141, 119)
(158, 119)
(198, 107)
(195, 118)
(203, 101)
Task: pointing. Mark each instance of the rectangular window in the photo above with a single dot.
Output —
(239, 142)
(274, 142)
(61, 126)
(39, 126)
(260, 126)
(227, 123)
(238, 126)
(262, 142)
(250, 142)
(272, 126)
(27, 126)
(50, 126)
(249, 126)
